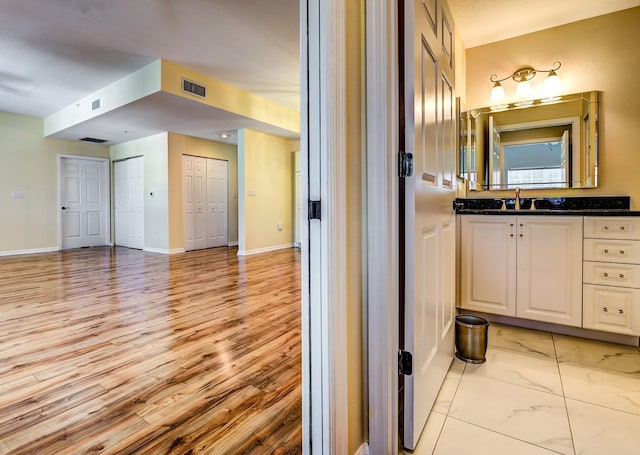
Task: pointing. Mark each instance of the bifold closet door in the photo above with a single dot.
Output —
(216, 203)
(129, 202)
(205, 202)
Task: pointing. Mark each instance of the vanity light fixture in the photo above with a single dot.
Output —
(523, 76)
(225, 135)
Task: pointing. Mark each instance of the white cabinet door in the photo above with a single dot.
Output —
(488, 264)
(550, 269)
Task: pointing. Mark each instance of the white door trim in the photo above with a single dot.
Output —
(107, 209)
(325, 420)
(382, 224)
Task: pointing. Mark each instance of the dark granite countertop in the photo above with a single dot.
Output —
(561, 206)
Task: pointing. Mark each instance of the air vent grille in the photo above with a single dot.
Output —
(194, 89)
(94, 140)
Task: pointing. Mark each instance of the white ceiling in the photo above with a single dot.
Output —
(55, 52)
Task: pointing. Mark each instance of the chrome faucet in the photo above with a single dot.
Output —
(517, 191)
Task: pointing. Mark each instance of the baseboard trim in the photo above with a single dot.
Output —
(163, 250)
(29, 251)
(363, 449)
(265, 249)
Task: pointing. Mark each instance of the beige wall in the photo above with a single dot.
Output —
(28, 163)
(601, 54)
(354, 163)
(179, 145)
(265, 191)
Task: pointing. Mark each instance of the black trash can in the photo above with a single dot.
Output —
(471, 338)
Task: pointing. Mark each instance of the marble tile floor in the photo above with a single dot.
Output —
(539, 393)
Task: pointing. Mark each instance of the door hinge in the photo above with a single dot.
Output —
(405, 164)
(405, 363)
(314, 210)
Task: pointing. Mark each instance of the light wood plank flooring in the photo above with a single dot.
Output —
(118, 351)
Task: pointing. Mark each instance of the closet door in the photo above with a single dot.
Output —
(205, 197)
(129, 202)
(217, 213)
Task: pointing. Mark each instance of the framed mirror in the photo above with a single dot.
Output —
(537, 146)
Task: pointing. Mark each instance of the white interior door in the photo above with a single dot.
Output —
(188, 201)
(206, 202)
(84, 202)
(429, 223)
(129, 202)
(217, 196)
(297, 216)
(199, 202)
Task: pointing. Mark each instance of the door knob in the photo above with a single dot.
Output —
(64, 208)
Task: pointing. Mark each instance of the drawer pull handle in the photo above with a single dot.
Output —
(606, 228)
(620, 252)
(622, 228)
(605, 274)
(621, 275)
(621, 311)
(605, 309)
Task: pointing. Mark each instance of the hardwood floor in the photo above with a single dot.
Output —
(118, 351)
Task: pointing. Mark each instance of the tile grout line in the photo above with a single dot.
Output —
(564, 396)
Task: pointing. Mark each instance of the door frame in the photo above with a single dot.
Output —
(107, 209)
(323, 125)
(324, 302)
(382, 203)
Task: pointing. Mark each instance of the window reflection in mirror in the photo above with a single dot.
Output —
(540, 146)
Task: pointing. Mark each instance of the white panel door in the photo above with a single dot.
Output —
(188, 201)
(217, 196)
(199, 202)
(129, 202)
(206, 202)
(84, 202)
(427, 214)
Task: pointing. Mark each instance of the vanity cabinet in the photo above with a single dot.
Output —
(612, 274)
(523, 266)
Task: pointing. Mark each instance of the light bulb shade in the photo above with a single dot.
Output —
(523, 90)
(497, 94)
(552, 85)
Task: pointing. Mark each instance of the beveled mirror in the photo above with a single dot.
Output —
(541, 145)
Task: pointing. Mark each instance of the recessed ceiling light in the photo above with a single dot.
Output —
(224, 135)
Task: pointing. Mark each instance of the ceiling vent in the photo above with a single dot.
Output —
(194, 89)
(94, 140)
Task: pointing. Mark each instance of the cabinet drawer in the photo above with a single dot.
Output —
(610, 274)
(612, 309)
(612, 227)
(625, 251)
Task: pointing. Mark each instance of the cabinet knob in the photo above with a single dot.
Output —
(622, 252)
(605, 309)
(606, 251)
(621, 311)
(621, 275)
(605, 274)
